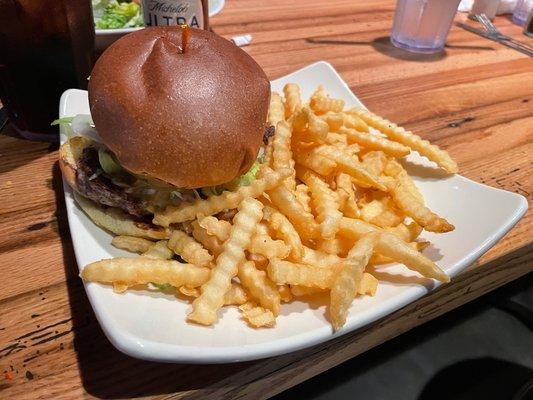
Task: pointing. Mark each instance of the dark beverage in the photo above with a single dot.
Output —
(46, 47)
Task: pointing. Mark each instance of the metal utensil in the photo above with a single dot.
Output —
(492, 30)
(481, 32)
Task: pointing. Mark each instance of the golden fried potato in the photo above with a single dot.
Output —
(206, 306)
(392, 246)
(257, 317)
(228, 200)
(276, 110)
(409, 139)
(260, 287)
(132, 243)
(300, 274)
(189, 249)
(142, 270)
(348, 279)
(293, 100)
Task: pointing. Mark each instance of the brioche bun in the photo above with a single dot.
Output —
(191, 119)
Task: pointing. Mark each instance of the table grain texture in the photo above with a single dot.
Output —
(475, 100)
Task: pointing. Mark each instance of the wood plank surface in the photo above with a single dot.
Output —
(475, 99)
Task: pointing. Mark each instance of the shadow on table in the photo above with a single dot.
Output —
(384, 46)
(106, 372)
(32, 150)
(482, 378)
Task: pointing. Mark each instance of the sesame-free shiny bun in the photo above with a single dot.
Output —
(190, 119)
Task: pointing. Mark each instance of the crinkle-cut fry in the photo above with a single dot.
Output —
(336, 138)
(286, 202)
(309, 157)
(334, 120)
(206, 306)
(382, 212)
(302, 194)
(413, 208)
(227, 200)
(394, 169)
(374, 162)
(409, 139)
(317, 129)
(422, 245)
(354, 122)
(368, 285)
(375, 142)
(392, 246)
(407, 232)
(300, 291)
(378, 259)
(215, 227)
(189, 291)
(210, 242)
(300, 274)
(132, 243)
(348, 279)
(351, 166)
(270, 248)
(325, 203)
(321, 103)
(262, 228)
(160, 250)
(285, 231)
(260, 287)
(338, 246)
(117, 222)
(298, 120)
(189, 249)
(260, 261)
(282, 154)
(276, 109)
(285, 293)
(257, 317)
(293, 99)
(142, 270)
(236, 295)
(119, 287)
(319, 258)
(268, 153)
(345, 185)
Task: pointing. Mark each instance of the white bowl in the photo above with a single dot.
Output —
(105, 37)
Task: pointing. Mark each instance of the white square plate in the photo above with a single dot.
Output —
(152, 326)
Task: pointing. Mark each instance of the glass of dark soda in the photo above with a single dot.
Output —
(46, 47)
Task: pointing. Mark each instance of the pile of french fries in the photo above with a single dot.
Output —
(330, 199)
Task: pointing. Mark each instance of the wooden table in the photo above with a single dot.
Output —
(475, 100)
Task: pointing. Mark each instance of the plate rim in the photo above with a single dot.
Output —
(173, 353)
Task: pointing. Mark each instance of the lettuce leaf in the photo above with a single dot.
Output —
(163, 287)
(62, 121)
(249, 177)
(116, 14)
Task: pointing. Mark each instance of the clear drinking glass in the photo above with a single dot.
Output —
(422, 25)
(521, 11)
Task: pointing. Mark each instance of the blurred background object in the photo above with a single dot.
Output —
(528, 27)
(46, 47)
(521, 11)
(108, 29)
(422, 26)
(487, 7)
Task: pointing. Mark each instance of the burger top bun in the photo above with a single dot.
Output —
(191, 119)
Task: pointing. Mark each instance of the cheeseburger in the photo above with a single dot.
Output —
(181, 114)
